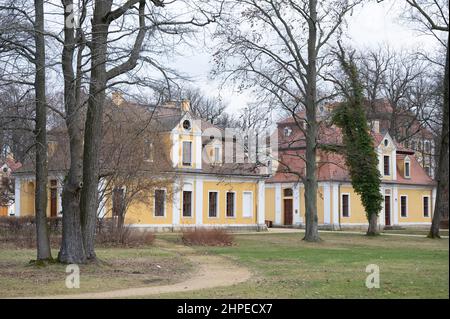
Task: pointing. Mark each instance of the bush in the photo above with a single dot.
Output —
(110, 235)
(21, 231)
(207, 237)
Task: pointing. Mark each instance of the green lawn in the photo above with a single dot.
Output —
(284, 266)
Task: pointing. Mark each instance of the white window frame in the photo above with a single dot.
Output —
(234, 206)
(407, 213)
(342, 206)
(192, 203)
(217, 204)
(217, 154)
(251, 206)
(429, 206)
(154, 202)
(407, 161)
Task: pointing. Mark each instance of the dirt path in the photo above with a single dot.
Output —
(211, 272)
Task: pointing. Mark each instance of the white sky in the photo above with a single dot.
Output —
(371, 25)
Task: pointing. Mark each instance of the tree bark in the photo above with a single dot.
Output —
(93, 127)
(311, 219)
(442, 173)
(72, 249)
(373, 221)
(42, 235)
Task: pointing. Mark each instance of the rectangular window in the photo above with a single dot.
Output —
(407, 169)
(247, 204)
(403, 206)
(160, 198)
(212, 204)
(187, 153)
(387, 165)
(217, 154)
(148, 151)
(230, 204)
(187, 204)
(118, 201)
(426, 206)
(345, 205)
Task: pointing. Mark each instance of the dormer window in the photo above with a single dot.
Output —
(387, 166)
(287, 131)
(187, 153)
(407, 168)
(217, 156)
(148, 151)
(187, 125)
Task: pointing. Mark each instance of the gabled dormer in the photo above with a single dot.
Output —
(187, 142)
(387, 157)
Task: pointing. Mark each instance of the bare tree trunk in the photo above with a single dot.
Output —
(72, 250)
(373, 221)
(311, 220)
(43, 242)
(93, 127)
(442, 173)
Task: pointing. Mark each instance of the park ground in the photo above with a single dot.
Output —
(274, 264)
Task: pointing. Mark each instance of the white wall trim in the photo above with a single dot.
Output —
(176, 205)
(199, 202)
(17, 207)
(278, 204)
(326, 204)
(335, 203)
(261, 209)
(394, 204)
(297, 215)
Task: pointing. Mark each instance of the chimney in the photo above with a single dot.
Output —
(185, 105)
(117, 98)
(376, 126)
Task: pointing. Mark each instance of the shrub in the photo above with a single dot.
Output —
(21, 231)
(110, 235)
(207, 237)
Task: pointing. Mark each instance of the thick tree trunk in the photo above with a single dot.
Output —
(311, 220)
(72, 250)
(442, 173)
(93, 127)
(373, 225)
(42, 235)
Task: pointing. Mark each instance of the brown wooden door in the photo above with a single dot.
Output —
(53, 209)
(387, 210)
(288, 211)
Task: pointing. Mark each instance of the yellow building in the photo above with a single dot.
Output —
(409, 193)
(203, 188)
(202, 191)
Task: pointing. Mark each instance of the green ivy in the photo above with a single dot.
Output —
(359, 151)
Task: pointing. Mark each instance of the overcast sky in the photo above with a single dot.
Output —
(372, 25)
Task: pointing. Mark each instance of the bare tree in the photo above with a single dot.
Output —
(112, 43)
(279, 49)
(17, 43)
(433, 17)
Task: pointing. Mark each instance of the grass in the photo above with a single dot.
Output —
(120, 268)
(284, 266)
